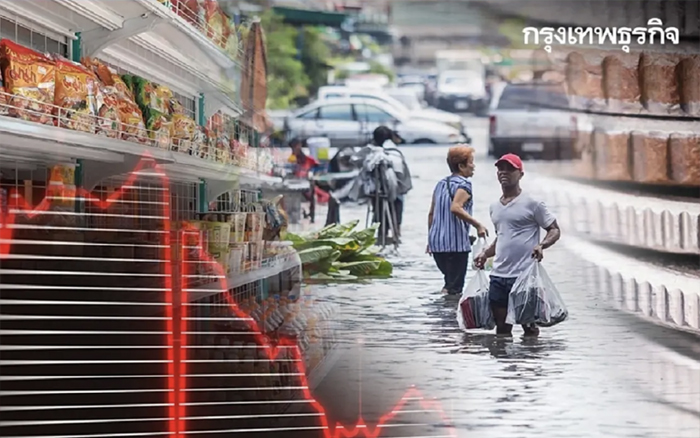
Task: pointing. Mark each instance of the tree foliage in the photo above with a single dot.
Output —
(291, 77)
(286, 78)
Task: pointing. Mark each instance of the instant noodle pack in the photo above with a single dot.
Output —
(208, 16)
(90, 97)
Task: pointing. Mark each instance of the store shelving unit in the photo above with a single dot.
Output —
(104, 330)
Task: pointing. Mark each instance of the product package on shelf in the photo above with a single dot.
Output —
(30, 79)
(254, 226)
(191, 10)
(184, 128)
(115, 95)
(61, 189)
(4, 96)
(217, 23)
(238, 234)
(232, 43)
(154, 101)
(255, 254)
(75, 96)
(237, 256)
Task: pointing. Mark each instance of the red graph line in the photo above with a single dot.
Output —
(18, 202)
(272, 352)
(176, 332)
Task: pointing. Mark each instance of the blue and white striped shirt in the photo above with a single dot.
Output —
(448, 233)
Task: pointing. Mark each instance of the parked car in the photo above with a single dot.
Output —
(351, 122)
(429, 114)
(415, 84)
(531, 119)
(461, 91)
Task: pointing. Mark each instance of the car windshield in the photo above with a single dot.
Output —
(464, 79)
(521, 97)
(410, 101)
(456, 80)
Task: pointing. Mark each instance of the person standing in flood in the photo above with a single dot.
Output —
(450, 219)
(518, 218)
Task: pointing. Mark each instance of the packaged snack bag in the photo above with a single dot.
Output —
(184, 127)
(154, 101)
(115, 102)
(75, 96)
(152, 96)
(216, 21)
(108, 119)
(30, 78)
(232, 45)
(4, 98)
(133, 125)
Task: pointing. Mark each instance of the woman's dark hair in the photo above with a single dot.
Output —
(459, 155)
(296, 141)
(382, 134)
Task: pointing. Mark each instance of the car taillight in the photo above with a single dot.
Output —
(492, 125)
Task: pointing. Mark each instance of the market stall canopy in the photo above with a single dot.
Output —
(302, 17)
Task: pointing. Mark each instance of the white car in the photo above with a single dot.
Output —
(334, 92)
(414, 84)
(409, 100)
(461, 91)
(351, 122)
(531, 119)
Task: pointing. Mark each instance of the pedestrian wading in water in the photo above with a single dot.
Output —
(450, 219)
(518, 219)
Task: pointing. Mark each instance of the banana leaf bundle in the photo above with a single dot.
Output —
(339, 253)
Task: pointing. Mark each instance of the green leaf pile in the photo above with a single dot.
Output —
(339, 253)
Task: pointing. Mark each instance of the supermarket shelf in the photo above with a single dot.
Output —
(144, 36)
(237, 280)
(32, 142)
(184, 29)
(643, 222)
(653, 293)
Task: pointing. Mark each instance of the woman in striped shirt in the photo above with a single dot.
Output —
(450, 219)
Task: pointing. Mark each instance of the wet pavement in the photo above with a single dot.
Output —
(595, 375)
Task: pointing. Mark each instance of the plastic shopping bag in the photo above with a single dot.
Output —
(535, 300)
(474, 308)
(480, 245)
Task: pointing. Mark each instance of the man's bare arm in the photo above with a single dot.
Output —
(553, 235)
(491, 250)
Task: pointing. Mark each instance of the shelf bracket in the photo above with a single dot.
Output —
(95, 41)
(214, 189)
(97, 171)
(215, 101)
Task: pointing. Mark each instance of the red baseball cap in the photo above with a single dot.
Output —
(511, 159)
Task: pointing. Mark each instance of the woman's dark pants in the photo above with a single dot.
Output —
(453, 266)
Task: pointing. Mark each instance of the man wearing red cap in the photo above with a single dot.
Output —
(518, 219)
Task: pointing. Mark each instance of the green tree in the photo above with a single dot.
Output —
(286, 78)
(315, 56)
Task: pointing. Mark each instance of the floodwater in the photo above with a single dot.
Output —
(595, 375)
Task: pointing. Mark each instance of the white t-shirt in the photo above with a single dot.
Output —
(518, 226)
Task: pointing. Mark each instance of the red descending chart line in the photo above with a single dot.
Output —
(177, 353)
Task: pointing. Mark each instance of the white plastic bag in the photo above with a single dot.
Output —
(479, 247)
(474, 308)
(535, 300)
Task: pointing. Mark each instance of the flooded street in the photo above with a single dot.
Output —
(594, 375)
